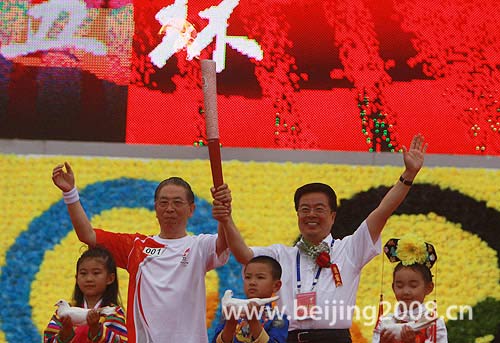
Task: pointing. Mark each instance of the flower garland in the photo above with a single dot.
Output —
(318, 253)
(321, 255)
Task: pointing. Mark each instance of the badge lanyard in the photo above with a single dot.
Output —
(316, 277)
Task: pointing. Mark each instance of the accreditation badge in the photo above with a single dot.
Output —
(305, 303)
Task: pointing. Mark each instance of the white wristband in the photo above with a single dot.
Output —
(71, 196)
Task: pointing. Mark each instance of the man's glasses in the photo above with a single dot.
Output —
(175, 203)
(306, 210)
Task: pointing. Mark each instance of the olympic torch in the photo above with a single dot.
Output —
(209, 83)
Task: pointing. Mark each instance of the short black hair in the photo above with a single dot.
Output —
(175, 180)
(275, 266)
(420, 268)
(316, 187)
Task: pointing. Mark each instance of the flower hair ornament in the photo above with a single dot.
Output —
(410, 250)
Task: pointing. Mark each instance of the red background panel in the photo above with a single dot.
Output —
(349, 75)
(334, 76)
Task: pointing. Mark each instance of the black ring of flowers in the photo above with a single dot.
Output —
(474, 217)
(472, 214)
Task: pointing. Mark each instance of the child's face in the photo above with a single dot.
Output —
(258, 281)
(409, 286)
(92, 277)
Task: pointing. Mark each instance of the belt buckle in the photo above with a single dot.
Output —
(299, 339)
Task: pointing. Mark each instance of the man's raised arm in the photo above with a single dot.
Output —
(221, 210)
(413, 159)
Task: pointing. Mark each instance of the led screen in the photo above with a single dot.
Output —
(314, 74)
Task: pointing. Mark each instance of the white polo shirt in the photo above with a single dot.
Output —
(335, 305)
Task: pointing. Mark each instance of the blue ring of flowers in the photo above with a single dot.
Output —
(24, 258)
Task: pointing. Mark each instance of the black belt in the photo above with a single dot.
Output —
(320, 335)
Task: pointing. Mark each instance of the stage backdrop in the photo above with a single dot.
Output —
(457, 210)
(349, 75)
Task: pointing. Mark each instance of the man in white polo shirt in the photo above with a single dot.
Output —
(321, 275)
(166, 295)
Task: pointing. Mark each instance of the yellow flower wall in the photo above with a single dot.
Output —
(263, 211)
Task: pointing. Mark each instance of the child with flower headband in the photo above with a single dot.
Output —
(412, 281)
